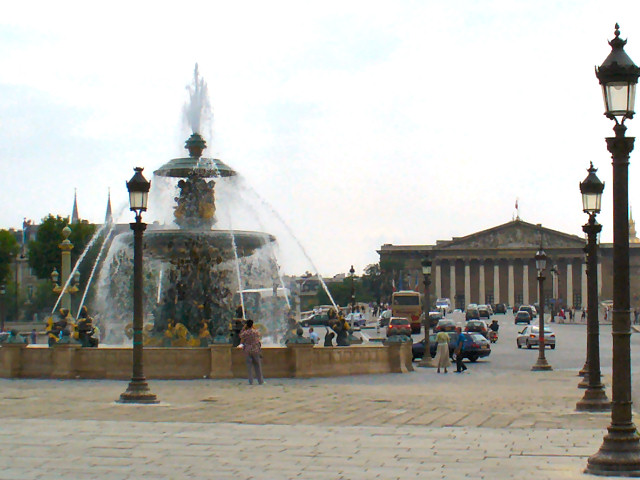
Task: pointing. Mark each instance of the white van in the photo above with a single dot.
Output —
(444, 305)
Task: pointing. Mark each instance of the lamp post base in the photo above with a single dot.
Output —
(541, 366)
(619, 454)
(584, 383)
(427, 362)
(594, 400)
(138, 392)
(585, 370)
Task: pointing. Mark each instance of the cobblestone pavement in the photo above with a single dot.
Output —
(478, 425)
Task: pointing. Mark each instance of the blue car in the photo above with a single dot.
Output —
(475, 346)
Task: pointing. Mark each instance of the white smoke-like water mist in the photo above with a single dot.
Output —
(199, 107)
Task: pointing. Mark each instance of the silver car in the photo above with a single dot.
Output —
(528, 337)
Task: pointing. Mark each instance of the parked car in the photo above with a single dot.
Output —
(383, 319)
(475, 346)
(445, 325)
(318, 319)
(478, 326)
(530, 335)
(472, 313)
(434, 318)
(399, 326)
(500, 308)
(530, 309)
(356, 319)
(522, 317)
(484, 311)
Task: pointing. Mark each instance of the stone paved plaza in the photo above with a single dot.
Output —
(418, 425)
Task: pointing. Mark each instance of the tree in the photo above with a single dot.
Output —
(44, 253)
(8, 250)
(388, 270)
(372, 281)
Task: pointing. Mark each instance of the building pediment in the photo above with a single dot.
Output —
(513, 235)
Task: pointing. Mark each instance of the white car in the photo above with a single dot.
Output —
(356, 319)
(529, 336)
(444, 304)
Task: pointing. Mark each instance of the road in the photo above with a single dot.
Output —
(569, 355)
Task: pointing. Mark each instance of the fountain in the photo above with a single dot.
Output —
(195, 277)
(190, 268)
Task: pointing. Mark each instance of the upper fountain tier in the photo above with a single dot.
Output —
(195, 164)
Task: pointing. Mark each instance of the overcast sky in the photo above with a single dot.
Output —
(360, 123)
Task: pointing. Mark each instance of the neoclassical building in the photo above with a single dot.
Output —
(497, 266)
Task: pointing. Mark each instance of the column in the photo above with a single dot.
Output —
(452, 282)
(585, 290)
(467, 283)
(511, 292)
(496, 281)
(525, 284)
(570, 283)
(438, 281)
(481, 288)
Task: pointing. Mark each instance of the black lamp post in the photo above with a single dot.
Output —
(595, 398)
(138, 389)
(426, 275)
(3, 294)
(353, 289)
(554, 299)
(620, 450)
(541, 263)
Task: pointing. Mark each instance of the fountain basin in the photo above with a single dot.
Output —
(169, 244)
(216, 361)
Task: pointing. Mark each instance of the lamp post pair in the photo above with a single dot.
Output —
(595, 398)
(620, 450)
(138, 390)
(426, 361)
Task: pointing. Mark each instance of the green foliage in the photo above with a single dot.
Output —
(44, 253)
(389, 270)
(8, 250)
(372, 281)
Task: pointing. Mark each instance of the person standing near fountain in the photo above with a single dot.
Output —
(250, 338)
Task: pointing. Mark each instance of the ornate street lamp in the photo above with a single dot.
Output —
(138, 389)
(3, 294)
(353, 289)
(66, 287)
(426, 361)
(620, 450)
(541, 263)
(594, 399)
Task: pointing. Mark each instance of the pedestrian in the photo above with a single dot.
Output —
(313, 335)
(460, 366)
(584, 315)
(250, 338)
(442, 352)
(34, 336)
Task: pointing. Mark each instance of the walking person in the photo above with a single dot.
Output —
(460, 366)
(250, 338)
(442, 352)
